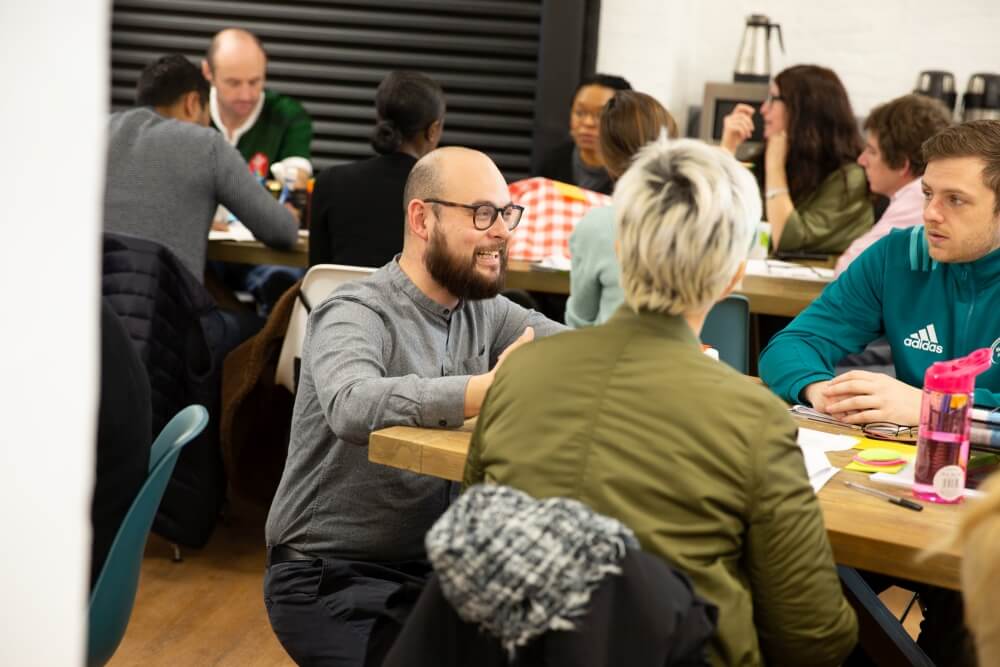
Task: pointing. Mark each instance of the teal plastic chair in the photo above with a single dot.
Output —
(114, 593)
(727, 329)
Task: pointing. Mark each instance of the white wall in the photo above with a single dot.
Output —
(54, 74)
(670, 48)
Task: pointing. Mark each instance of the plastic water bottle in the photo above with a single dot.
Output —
(288, 184)
(945, 421)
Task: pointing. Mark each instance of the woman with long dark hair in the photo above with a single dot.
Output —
(357, 209)
(815, 194)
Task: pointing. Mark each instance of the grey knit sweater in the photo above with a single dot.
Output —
(166, 177)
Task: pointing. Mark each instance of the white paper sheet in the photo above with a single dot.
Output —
(826, 442)
(818, 467)
(236, 232)
(779, 269)
(553, 263)
(814, 446)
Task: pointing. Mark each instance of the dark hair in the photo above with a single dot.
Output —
(976, 138)
(822, 132)
(902, 126)
(630, 121)
(406, 104)
(611, 81)
(167, 79)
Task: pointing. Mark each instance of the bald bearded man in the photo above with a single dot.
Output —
(415, 344)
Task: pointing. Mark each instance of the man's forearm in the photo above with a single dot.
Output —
(475, 393)
(368, 405)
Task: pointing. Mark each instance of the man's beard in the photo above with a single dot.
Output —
(461, 278)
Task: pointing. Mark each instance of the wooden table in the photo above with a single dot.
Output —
(255, 252)
(767, 295)
(865, 532)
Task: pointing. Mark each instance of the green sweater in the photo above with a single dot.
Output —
(631, 418)
(893, 289)
(829, 219)
(283, 129)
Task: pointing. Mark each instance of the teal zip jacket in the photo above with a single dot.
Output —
(928, 311)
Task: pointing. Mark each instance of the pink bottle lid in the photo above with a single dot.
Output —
(957, 376)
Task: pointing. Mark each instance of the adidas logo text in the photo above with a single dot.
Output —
(924, 339)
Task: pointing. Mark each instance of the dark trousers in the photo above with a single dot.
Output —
(341, 613)
(226, 329)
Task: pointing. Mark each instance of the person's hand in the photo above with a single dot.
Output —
(737, 127)
(524, 338)
(776, 153)
(475, 390)
(862, 397)
(815, 394)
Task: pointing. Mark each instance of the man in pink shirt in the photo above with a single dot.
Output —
(893, 163)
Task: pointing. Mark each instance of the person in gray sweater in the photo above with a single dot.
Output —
(167, 171)
(417, 343)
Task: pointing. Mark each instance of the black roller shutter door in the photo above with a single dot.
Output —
(332, 55)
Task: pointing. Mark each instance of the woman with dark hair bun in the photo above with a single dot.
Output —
(357, 209)
(815, 194)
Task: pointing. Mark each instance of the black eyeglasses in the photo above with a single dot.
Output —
(484, 215)
(771, 99)
(877, 430)
(890, 431)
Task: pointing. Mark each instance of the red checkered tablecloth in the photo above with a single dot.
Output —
(551, 210)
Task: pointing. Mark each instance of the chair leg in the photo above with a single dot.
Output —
(909, 606)
(881, 637)
(177, 552)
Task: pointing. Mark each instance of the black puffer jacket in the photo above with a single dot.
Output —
(172, 321)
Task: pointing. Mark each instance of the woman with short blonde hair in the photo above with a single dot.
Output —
(685, 220)
(634, 420)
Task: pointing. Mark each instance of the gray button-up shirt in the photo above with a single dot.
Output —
(380, 353)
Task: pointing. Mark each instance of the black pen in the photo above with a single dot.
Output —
(895, 500)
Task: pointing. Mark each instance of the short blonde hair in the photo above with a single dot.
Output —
(685, 214)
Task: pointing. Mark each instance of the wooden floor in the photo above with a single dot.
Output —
(209, 609)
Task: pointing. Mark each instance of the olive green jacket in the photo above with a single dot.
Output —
(829, 219)
(631, 418)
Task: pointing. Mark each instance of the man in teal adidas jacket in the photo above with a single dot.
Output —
(932, 291)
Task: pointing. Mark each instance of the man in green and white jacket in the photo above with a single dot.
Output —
(932, 291)
(265, 126)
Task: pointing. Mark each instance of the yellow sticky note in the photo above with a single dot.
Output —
(569, 191)
(861, 467)
(878, 451)
(901, 447)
